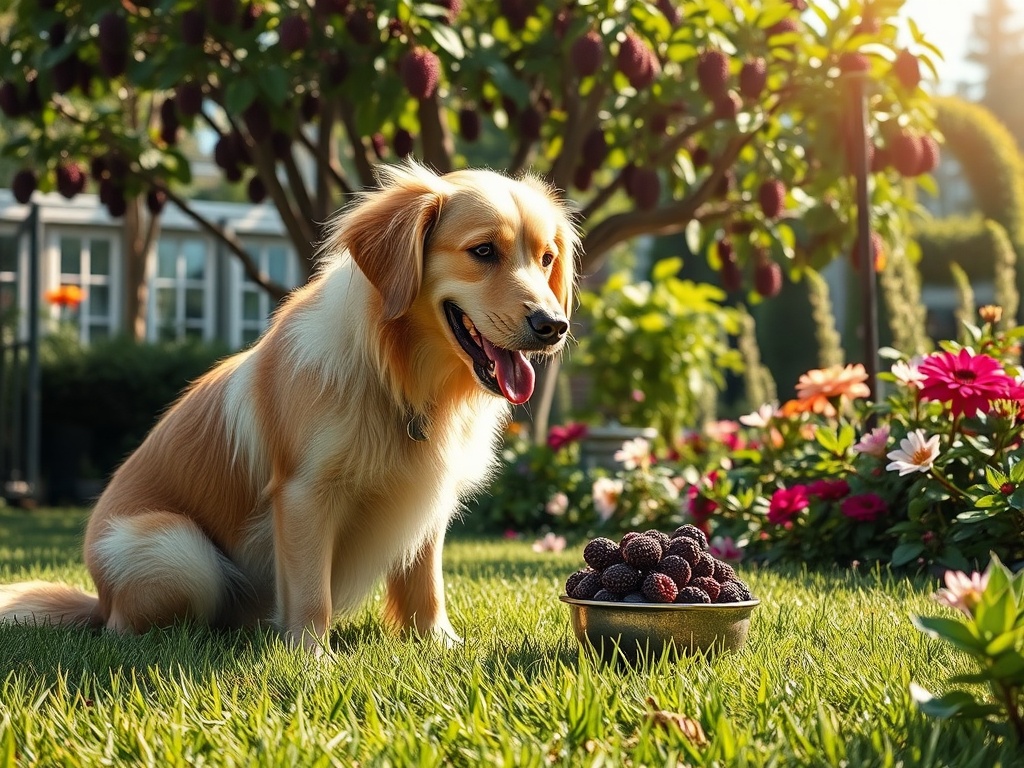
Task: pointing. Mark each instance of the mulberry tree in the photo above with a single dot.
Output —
(731, 121)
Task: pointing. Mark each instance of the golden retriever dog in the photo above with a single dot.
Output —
(294, 476)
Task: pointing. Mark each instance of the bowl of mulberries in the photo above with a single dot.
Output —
(653, 592)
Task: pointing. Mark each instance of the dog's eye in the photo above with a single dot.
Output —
(546, 259)
(484, 251)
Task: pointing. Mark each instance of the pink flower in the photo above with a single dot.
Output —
(557, 505)
(874, 442)
(550, 543)
(634, 453)
(606, 494)
(725, 432)
(561, 436)
(962, 591)
(724, 548)
(511, 534)
(968, 382)
(760, 418)
(829, 490)
(638, 395)
(864, 507)
(787, 503)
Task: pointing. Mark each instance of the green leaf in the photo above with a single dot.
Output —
(274, 84)
(692, 234)
(448, 40)
(1009, 665)
(238, 94)
(956, 632)
(996, 615)
(666, 268)
(906, 552)
(994, 477)
(1017, 472)
(1005, 642)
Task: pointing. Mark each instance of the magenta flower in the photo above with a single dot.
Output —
(787, 503)
(829, 490)
(874, 442)
(864, 507)
(968, 382)
(561, 436)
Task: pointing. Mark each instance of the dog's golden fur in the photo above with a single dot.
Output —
(285, 483)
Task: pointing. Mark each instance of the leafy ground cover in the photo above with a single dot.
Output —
(824, 680)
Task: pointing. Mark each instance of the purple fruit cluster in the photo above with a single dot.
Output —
(655, 567)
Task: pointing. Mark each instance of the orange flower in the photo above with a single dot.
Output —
(65, 296)
(835, 381)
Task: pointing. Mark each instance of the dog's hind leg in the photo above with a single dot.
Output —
(415, 595)
(156, 568)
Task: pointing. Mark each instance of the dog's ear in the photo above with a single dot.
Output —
(386, 234)
(562, 280)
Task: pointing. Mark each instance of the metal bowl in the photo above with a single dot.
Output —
(635, 631)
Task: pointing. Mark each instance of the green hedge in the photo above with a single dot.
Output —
(98, 403)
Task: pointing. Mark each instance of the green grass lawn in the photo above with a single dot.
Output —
(823, 680)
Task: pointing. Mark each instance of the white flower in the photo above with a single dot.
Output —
(907, 374)
(606, 494)
(557, 505)
(634, 453)
(550, 543)
(760, 418)
(916, 453)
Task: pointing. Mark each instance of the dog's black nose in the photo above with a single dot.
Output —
(548, 328)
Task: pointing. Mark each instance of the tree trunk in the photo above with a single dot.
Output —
(140, 232)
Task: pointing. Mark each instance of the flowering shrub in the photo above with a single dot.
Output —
(992, 632)
(930, 474)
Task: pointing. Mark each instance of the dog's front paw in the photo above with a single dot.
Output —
(443, 635)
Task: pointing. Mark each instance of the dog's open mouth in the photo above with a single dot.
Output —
(505, 372)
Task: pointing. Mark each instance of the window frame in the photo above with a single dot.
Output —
(85, 279)
(181, 284)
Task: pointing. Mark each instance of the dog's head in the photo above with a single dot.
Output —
(482, 260)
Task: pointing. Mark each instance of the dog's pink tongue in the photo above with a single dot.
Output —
(512, 370)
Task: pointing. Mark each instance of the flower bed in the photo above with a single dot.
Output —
(929, 474)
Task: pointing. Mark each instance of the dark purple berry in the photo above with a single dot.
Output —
(708, 584)
(634, 597)
(692, 532)
(676, 568)
(604, 596)
(686, 548)
(660, 588)
(642, 552)
(659, 536)
(574, 580)
(703, 566)
(587, 587)
(601, 553)
(729, 593)
(692, 595)
(23, 185)
(724, 572)
(620, 578)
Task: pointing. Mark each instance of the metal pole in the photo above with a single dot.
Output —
(33, 399)
(869, 300)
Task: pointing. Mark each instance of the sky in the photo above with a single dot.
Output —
(947, 24)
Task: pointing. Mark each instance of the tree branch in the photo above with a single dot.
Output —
(665, 220)
(327, 165)
(276, 290)
(438, 146)
(582, 118)
(360, 154)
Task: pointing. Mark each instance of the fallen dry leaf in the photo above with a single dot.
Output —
(689, 727)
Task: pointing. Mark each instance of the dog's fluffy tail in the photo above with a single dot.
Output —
(42, 603)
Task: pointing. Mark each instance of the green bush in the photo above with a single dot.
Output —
(657, 351)
(98, 402)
